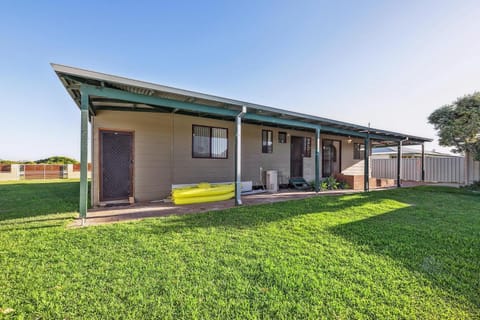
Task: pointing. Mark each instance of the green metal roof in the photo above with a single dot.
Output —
(109, 92)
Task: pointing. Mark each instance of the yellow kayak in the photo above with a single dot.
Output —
(203, 190)
(202, 199)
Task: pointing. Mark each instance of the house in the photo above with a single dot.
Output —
(146, 137)
(392, 153)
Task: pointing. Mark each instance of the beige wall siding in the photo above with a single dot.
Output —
(194, 170)
(356, 169)
(191, 170)
(349, 166)
(163, 152)
(152, 151)
(254, 162)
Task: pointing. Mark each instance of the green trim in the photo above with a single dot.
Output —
(84, 155)
(154, 101)
(317, 160)
(188, 106)
(107, 108)
(423, 162)
(344, 131)
(399, 164)
(77, 76)
(366, 173)
(280, 121)
(327, 129)
(200, 108)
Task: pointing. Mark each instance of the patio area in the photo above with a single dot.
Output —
(141, 210)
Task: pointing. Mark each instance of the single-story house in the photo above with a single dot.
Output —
(146, 137)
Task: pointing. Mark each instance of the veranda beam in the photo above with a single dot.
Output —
(317, 159)
(399, 164)
(357, 134)
(366, 173)
(275, 120)
(423, 162)
(195, 107)
(238, 156)
(83, 156)
(154, 101)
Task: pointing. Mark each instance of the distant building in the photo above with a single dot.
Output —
(391, 153)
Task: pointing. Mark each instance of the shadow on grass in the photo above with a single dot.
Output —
(253, 215)
(33, 225)
(441, 243)
(432, 232)
(34, 199)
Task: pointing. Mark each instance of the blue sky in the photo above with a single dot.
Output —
(390, 63)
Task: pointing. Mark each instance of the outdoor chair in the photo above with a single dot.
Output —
(299, 184)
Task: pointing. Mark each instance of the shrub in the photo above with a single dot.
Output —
(330, 183)
(475, 186)
(344, 185)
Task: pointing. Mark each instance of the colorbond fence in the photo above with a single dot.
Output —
(437, 169)
(44, 171)
(40, 171)
(76, 167)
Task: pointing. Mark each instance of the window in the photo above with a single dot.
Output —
(5, 168)
(282, 137)
(209, 142)
(358, 151)
(307, 147)
(267, 141)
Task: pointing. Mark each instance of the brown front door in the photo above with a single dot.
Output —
(116, 161)
(331, 157)
(296, 157)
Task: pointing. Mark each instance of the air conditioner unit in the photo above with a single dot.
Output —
(271, 177)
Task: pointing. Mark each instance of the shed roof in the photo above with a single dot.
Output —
(73, 78)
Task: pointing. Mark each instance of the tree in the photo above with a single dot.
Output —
(50, 160)
(57, 160)
(458, 124)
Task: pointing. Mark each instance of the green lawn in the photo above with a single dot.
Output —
(409, 253)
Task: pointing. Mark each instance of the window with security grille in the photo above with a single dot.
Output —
(358, 151)
(267, 141)
(209, 142)
(307, 147)
(282, 137)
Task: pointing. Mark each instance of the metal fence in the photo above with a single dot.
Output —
(437, 169)
(43, 171)
(12, 172)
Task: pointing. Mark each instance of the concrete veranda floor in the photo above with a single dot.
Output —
(141, 210)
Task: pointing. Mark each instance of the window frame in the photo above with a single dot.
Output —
(265, 146)
(307, 147)
(210, 142)
(282, 137)
(361, 153)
